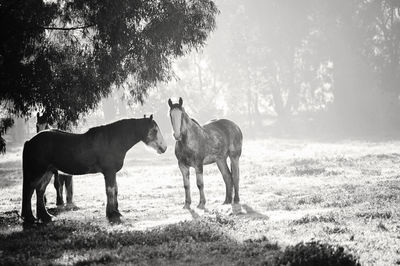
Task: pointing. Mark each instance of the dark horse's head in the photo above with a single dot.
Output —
(42, 122)
(176, 113)
(154, 138)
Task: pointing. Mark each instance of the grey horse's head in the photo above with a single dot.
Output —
(176, 113)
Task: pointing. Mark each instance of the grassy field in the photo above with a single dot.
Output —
(343, 193)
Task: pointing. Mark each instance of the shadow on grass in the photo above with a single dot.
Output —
(194, 214)
(206, 240)
(253, 213)
(62, 208)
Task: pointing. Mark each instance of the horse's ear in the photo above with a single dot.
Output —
(151, 117)
(180, 101)
(169, 102)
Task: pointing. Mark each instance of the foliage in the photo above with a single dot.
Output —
(315, 253)
(5, 123)
(195, 239)
(62, 57)
(337, 61)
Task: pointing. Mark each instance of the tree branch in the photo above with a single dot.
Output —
(69, 28)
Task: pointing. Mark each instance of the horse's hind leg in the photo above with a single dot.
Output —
(40, 189)
(27, 185)
(235, 177)
(69, 188)
(27, 191)
(200, 186)
(226, 174)
(59, 186)
(112, 212)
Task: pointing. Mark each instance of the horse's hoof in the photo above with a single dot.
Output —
(186, 206)
(29, 225)
(60, 207)
(29, 221)
(114, 217)
(227, 202)
(201, 206)
(46, 218)
(114, 220)
(72, 206)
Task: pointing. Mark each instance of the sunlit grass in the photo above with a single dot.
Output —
(344, 193)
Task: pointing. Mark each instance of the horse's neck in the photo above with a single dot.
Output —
(128, 132)
(192, 129)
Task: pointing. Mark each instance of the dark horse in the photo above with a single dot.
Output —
(200, 145)
(60, 179)
(100, 150)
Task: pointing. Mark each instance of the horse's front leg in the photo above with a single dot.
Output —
(112, 212)
(69, 188)
(200, 185)
(186, 184)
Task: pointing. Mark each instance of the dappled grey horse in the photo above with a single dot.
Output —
(200, 145)
(100, 150)
(60, 179)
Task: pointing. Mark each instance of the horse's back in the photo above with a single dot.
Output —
(46, 139)
(59, 149)
(230, 132)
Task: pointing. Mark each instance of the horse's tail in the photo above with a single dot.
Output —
(24, 160)
(237, 140)
(26, 183)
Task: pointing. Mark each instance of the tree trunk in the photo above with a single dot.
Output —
(109, 109)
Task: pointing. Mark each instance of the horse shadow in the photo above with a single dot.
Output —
(243, 210)
(249, 212)
(60, 209)
(194, 214)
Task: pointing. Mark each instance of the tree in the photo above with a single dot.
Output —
(340, 58)
(258, 55)
(362, 40)
(64, 56)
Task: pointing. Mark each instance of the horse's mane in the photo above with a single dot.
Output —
(111, 127)
(105, 127)
(194, 120)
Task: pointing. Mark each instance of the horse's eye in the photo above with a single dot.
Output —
(152, 133)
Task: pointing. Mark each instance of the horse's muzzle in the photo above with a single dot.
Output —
(162, 149)
(177, 137)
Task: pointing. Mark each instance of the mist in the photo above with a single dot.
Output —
(309, 69)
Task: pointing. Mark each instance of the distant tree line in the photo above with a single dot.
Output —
(336, 61)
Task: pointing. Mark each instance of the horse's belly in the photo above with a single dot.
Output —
(77, 167)
(72, 170)
(210, 159)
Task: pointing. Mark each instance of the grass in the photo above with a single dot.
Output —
(296, 197)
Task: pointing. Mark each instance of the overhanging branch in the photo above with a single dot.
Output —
(69, 28)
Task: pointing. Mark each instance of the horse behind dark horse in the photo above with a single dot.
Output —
(199, 145)
(60, 179)
(100, 150)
